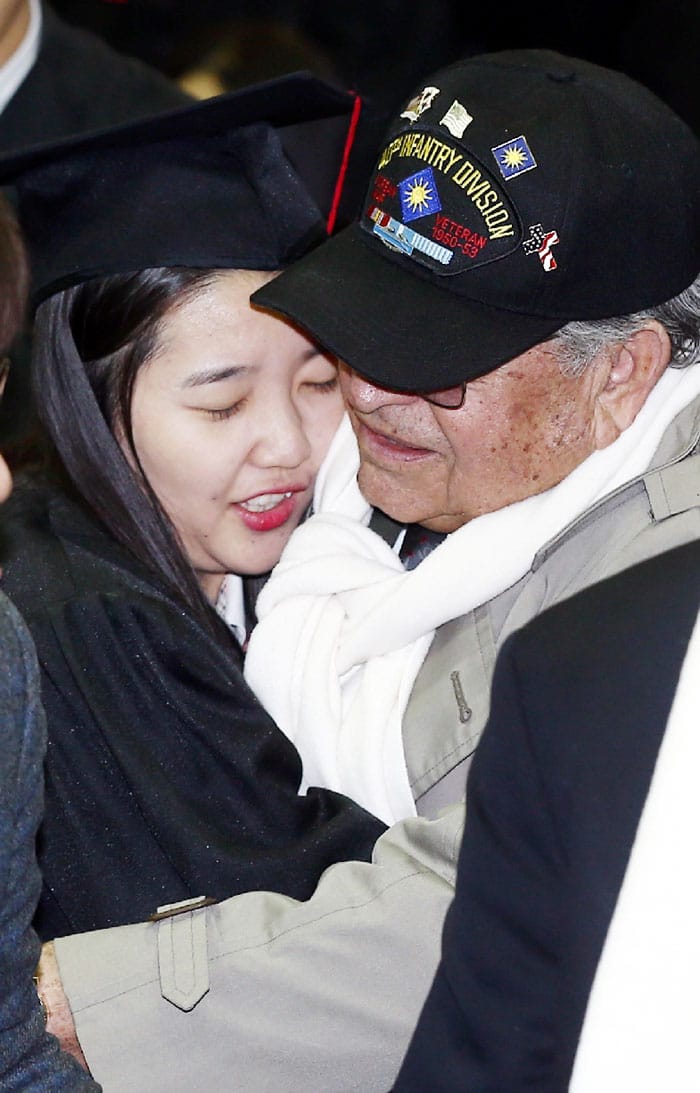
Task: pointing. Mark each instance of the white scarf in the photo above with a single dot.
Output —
(344, 629)
(642, 1024)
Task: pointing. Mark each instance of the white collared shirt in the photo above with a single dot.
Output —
(19, 65)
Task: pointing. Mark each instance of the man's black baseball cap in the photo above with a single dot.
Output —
(514, 193)
(250, 179)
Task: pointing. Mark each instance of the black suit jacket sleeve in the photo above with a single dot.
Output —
(580, 701)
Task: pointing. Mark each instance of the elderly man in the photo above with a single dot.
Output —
(520, 200)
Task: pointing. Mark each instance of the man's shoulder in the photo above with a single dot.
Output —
(62, 44)
(656, 593)
(625, 530)
(79, 83)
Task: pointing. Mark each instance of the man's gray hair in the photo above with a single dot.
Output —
(579, 342)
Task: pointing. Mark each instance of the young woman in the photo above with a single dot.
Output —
(187, 429)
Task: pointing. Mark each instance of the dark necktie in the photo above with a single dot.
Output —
(417, 544)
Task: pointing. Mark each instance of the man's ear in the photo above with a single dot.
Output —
(629, 372)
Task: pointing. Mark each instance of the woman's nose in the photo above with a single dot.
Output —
(284, 442)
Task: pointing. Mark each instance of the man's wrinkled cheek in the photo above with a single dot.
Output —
(410, 494)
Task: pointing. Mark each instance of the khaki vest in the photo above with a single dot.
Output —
(449, 704)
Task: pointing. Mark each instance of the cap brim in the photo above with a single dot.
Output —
(389, 323)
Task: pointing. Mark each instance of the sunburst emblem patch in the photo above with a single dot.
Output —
(514, 157)
(419, 195)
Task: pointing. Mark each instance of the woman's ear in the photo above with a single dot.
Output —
(632, 369)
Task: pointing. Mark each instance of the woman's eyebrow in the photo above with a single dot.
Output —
(214, 375)
(317, 351)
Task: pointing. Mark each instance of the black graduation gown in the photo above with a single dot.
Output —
(165, 778)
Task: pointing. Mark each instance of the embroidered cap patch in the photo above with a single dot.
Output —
(462, 215)
(540, 242)
(420, 103)
(514, 157)
(419, 195)
(457, 119)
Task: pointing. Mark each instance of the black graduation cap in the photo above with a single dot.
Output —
(249, 179)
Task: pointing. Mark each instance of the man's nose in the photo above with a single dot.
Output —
(365, 396)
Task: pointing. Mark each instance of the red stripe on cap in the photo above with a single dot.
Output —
(340, 181)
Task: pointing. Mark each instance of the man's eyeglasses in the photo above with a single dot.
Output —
(449, 398)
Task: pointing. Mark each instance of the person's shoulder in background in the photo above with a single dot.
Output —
(29, 1057)
(79, 83)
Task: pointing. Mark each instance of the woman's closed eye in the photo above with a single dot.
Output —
(223, 413)
(323, 386)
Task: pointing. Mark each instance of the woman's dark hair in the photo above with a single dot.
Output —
(89, 343)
